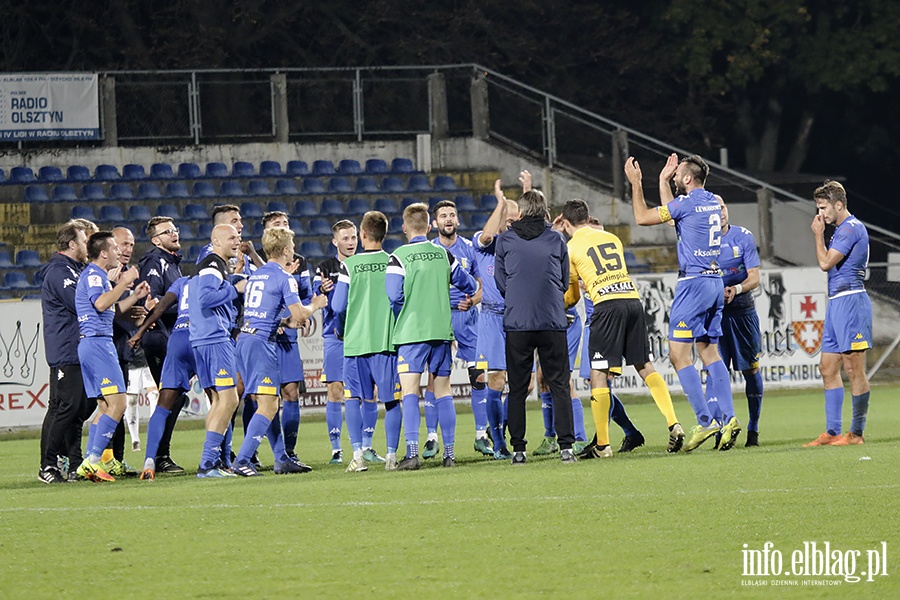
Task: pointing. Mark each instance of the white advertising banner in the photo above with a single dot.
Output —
(49, 106)
(790, 302)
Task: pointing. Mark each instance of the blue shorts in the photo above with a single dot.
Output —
(573, 339)
(696, 313)
(363, 373)
(465, 330)
(740, 341)
(290, 364)
(258, 365)
(216, 365)
(848, 324)
(179, 365)
(435, 355)
(584, 369)
(100, 368)
(491, 342)
(333, 364)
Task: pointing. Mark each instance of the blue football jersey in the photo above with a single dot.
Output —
(269, 290)
(698, 222)
(852, 240)
(464, 251)
(737, 254)
(491, 299)
(179, 288)
(92, 283)
(211, 308)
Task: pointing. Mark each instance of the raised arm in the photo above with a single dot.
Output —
(497, 218)
(169, 300)
(642, 215)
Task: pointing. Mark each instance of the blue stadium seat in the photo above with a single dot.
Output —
(64, 193)
(277, 205)
(366, 185)
(349, 166)
(407, 201)
(92, 191)
(464, 203)
(488, 202)
(270, 168)
(444, 183)
(258, 188)
(323, 167)
(319, 227)
(204, 231)
(392, 184)
(149, 190)
(36, 193)
(177, 189)
(186, 232)
(376, 166)
(357, 206)
(15, 280)
(305, 208)
(111, 213)
(189, 170)
(402, 165)
(50, 174)
(2, 176)
(106, 173)
(139, 212)
(312, 250)
(418, 183)
(286, 187)
(396, 224)
(21, 175)
(203, 189)
(78, 173)
(634, 264)
(297, 227)
(251, 210)
(28, 258)
(231, 189)
(216, 169)
(332, 207)
(297, 167)
(193, 252)
(340, 185)
(161, 171)
(82, 211)
(168, 210)
(242, 169)
(479, 220)
(312, 185)
(390, 244)
(387, 206)
(5, 263)
(132, 172)
(433, 201)
(257, 229)
(195, 212)
(120, 191)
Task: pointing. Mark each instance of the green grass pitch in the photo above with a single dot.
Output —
(644, 525)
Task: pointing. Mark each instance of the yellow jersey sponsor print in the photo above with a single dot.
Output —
(597, 258)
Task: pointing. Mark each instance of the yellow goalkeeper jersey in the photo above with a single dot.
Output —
(597, 258)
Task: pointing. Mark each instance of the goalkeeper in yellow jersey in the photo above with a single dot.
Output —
(618, 333)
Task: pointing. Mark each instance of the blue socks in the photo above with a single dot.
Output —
(479, 409)
(393, 419)
(276, 440)
(495, 417)
(106, 427)
(92, 434)
(431, 413)
(290, 424)
(333, 420)
(369, 419)
(411, 421)
(155, 429)
(860, 410)
(447, 419)
(834, 402)
(620, 417)
(353, 414)
(693, 389)
(212, 448)
(721, 380)
(578, 420)
(753, 388)
(256, 430)
(547, 413)
(247, 413)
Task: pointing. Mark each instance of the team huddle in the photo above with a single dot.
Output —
(388, 319)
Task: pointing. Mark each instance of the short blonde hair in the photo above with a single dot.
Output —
(276, 239)
(415, 217)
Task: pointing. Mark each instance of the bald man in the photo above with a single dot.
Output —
(211, 307)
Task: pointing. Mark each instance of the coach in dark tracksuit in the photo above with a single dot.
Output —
(532, 273)
(160, 267)
(68, 406)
